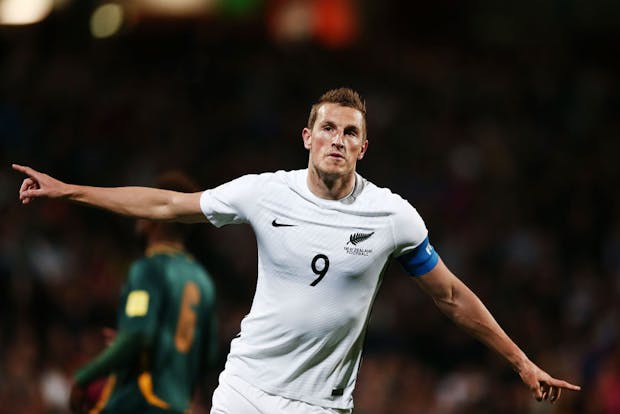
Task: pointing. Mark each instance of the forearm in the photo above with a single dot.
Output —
(139, 202)
(469, 313)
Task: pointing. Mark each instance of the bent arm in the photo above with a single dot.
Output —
(139, 202)
(461, 305)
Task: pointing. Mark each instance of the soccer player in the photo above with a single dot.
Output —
(166, 327)
(325, 235)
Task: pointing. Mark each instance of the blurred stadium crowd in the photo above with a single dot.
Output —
(504, 136)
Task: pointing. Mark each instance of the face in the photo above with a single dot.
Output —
(336, 141)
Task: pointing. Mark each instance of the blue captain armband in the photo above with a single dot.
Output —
(420, 260)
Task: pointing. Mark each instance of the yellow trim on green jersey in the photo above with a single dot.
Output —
(164, 248)
(145, 383)
(105, 395)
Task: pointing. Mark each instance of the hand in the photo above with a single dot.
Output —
(543, 385)
(77, 401)
(38, 185)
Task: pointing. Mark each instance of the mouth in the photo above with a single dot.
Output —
(336, 155)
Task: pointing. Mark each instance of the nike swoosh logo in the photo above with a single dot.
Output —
(274, 223)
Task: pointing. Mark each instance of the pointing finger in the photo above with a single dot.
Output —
(563, 384)
(20, 168)
(24, 169)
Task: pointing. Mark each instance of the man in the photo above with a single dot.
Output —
(166, 327)
(324, 237)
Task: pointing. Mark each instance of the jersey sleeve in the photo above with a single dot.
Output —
(412, 246)
(408, 228)
(231, 203)
(141, 300)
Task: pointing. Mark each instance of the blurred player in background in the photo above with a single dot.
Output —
(325, 235)
(166, 327)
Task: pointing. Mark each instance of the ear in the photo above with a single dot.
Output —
(306, 135)
(363, 150)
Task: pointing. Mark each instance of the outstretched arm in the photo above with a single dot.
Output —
(139, 202)
(459, 303)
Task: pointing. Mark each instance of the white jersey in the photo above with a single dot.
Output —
(320, 265)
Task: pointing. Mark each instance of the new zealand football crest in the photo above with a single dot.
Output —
(355, 239)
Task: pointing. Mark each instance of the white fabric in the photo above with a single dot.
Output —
(300, 341)
(235, 396)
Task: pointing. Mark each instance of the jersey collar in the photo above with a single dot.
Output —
(164, 248)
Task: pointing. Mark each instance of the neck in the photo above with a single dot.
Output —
(330, 187)
(164, 246)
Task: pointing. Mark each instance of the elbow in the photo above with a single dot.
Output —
(449, 297)
(162, 212)
(448, 302)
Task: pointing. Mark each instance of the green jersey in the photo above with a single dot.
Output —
(168, 300)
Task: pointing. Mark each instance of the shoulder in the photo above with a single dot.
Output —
(141, 264)
(384, 197)
(198, 274)
(145, 269)
(200, 270)
(407, 224)
(256, 182)
(207, 285)
(269, 176)
(282, 177)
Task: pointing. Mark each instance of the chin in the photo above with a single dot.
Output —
(334, 171)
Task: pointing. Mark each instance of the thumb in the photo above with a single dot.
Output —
(537, 391)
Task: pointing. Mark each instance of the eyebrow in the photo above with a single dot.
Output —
(348, 128)
(352, 128)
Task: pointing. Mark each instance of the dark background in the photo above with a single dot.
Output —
(497, 121)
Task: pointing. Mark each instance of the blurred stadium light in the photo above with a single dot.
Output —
(179, 8)
(334, 23)
(239, 8)
(20, 12)
(106, 20)
(289, 21)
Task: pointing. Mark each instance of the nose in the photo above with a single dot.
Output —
(337, 139)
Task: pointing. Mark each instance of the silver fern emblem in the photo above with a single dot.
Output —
(357, 238)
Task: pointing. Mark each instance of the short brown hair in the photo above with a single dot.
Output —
(341, 96)
(176, 180)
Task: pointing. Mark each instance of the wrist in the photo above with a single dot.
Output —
(520, 362)
(69, 191)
